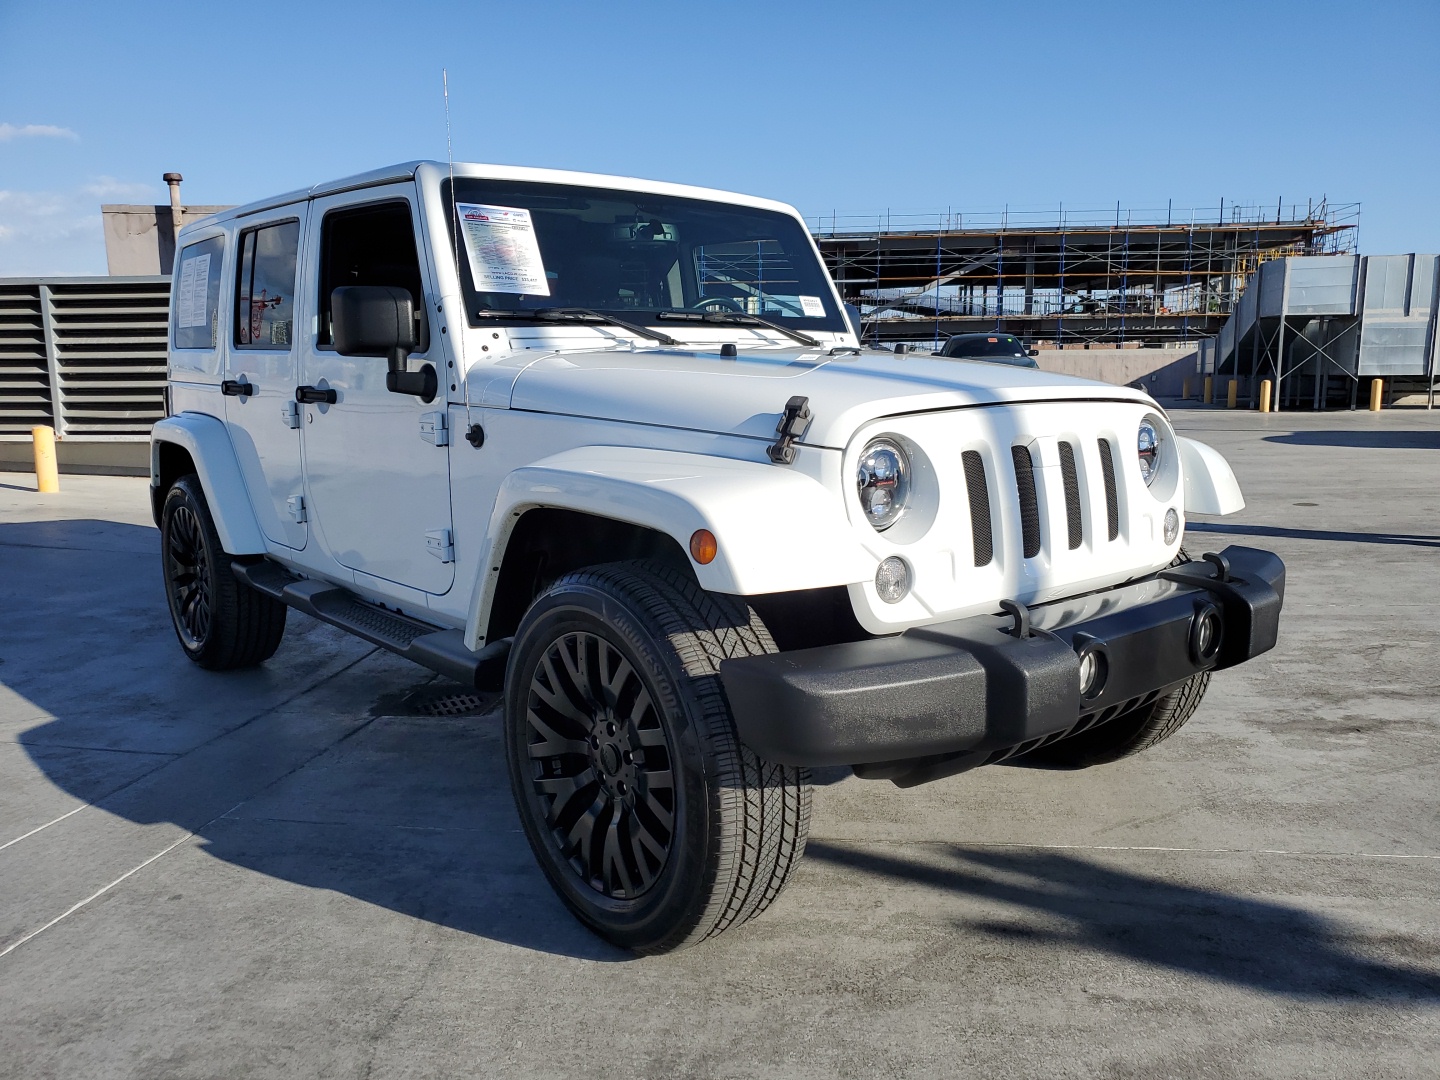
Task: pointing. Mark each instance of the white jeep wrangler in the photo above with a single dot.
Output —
(612, 446)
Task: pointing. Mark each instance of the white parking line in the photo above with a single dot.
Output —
(1122, 847)
(93, 896)
(47, 824)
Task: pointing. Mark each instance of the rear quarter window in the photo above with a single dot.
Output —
(195, 294)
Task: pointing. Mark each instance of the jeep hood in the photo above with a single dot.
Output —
(746, 394)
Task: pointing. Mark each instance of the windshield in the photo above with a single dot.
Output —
(529, 247)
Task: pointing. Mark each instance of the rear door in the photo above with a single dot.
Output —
(262, 366)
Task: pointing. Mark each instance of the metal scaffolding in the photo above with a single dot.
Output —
(1068, 277)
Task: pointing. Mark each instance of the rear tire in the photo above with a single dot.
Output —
(655, 825)
(221, 622)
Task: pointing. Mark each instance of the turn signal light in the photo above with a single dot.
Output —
(703, 547)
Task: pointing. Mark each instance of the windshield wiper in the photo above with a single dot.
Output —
(738, 318)
(578, 315)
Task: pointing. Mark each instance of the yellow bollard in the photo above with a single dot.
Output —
(1377, 391)
(1231, 393)
(47, 476)
(1184, 389)
(1209, 396)
(1265, 388)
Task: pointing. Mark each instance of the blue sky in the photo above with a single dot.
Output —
(855, 107)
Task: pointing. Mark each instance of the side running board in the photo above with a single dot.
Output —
(439, 650)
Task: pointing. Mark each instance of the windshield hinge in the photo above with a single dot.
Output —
(793, 423)
(433, 428)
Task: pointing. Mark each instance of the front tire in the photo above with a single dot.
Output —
(221, 622)
(656, 826)
(1129, 733)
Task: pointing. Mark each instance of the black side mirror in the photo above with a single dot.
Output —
(379, 320)
(1032, 352)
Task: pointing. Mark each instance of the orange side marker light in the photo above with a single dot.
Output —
(703, 547)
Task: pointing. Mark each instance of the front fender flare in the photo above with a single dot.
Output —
(1210, 484)
(777, 530)
(208, 443)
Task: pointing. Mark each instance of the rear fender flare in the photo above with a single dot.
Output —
(207, 442)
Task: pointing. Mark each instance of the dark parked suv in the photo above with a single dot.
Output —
(992, 348)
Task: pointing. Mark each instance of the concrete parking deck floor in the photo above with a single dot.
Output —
(271, 874)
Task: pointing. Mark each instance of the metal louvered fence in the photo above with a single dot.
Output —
(84, 355)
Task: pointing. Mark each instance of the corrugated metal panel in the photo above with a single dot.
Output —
(1244, 316)
(1398, 308)
(1271, 287)
(24, 370)
(1321, 284)
(84, 355)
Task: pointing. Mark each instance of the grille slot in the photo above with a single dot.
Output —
(1072, 495)
(979, 492)
(1029, 506)
(1112, 504)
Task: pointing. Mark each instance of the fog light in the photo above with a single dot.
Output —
(1093, 670)
(1172, 525)
(1205, 634)
(892, 580)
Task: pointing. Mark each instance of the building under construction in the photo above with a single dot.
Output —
(1068, 278)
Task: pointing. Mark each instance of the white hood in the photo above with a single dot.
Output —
(746, 394)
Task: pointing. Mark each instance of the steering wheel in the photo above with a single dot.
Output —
(717, 303)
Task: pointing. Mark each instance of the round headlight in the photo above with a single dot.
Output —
(883, 480)
(1148, 447)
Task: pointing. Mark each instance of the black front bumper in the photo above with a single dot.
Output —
(976, 687)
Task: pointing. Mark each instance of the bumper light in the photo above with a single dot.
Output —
(1094, 669)
(1205, 633)
(892, 580)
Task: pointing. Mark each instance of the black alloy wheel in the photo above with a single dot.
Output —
(187, 569)
(654, 824)
(221, 622)
(601, 765)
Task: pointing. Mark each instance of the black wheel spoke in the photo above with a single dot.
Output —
(612, 860)
(603, 783)
(187, 569)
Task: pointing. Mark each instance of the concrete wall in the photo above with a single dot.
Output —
(1158, 371)
(140, 240)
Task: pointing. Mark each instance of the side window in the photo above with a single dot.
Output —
(265, 287)
(369, 245)
(196, 288)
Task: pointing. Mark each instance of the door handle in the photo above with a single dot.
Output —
(235, 388)
(311, 395)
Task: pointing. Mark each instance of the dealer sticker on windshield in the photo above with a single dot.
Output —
(813, 307)
(504, 254)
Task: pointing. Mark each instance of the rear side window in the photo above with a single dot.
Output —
(369, 245)
(195, 288)
(265, 287)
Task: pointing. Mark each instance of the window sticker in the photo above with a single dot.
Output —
(194, 291)
(504, 254)
(813, 307)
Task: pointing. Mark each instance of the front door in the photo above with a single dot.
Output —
(378, 492)
(260, 373)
